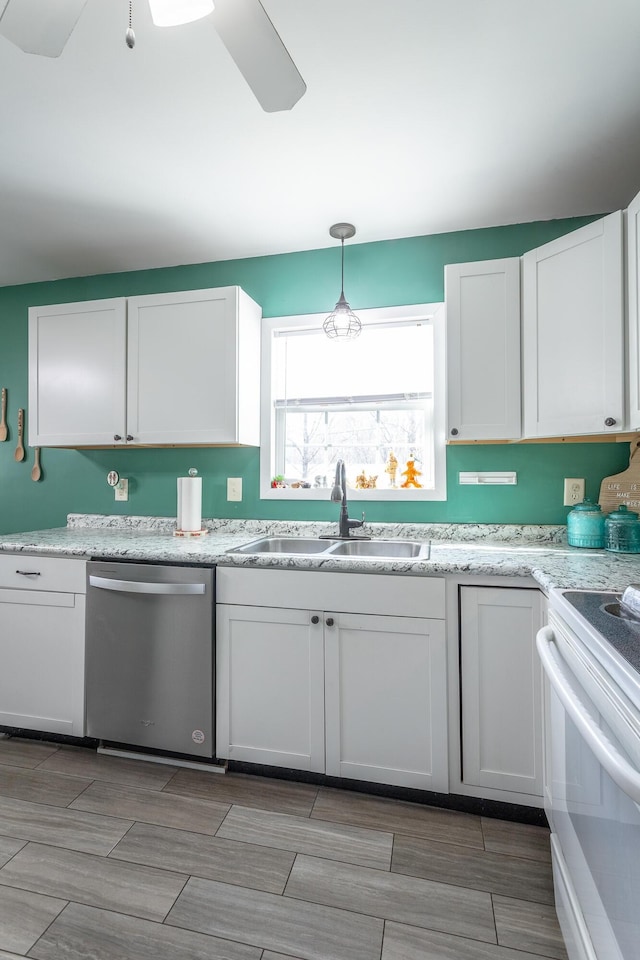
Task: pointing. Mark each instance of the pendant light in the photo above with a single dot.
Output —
(171, 13)
(342, 323)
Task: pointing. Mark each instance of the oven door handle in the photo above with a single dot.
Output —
(617, 766)
(138, 586)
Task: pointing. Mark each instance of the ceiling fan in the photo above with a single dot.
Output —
(43, 27)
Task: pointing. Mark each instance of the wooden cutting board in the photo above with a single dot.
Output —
(623, 487)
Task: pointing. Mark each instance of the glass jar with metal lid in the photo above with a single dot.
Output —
(585, 525)
(622, 531)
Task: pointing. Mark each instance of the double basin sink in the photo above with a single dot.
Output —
(353, 548)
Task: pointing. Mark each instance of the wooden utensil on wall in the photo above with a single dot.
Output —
(19, 454)
(623, 488)
(3, 415)
(36, 472)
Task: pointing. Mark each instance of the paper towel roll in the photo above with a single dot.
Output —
(189, 503)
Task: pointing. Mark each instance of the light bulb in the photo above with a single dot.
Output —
(171, 13)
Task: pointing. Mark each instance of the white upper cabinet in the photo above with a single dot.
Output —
(194, 367)
(633, 310)
(177, 368)
(77, 373)
(573, 324)
(483, 350)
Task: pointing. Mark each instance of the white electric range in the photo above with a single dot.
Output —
(591, 660)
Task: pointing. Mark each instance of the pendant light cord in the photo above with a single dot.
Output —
(130, 37)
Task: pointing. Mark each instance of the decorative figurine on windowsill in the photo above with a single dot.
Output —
(391, 468)
(411, 474)
(366, 483)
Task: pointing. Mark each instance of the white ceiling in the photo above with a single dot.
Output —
(421, 116)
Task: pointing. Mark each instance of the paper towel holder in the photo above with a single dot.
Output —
(191, 533)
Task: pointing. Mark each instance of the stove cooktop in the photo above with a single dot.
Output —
(622, 634)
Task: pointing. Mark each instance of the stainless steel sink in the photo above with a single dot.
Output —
(299, 545)
(382, 549)
(362, 549)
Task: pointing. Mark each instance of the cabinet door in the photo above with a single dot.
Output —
(77, 368)
(42, 652)
(501, 689)
(573, 315)
(270, 687)
(633, 309)
(385, 697)
(191, 361)
(483, 349)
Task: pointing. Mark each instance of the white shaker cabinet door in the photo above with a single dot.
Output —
(270, 686)
(501, 689)
(193, 368)
(483, 350)
(77, 362)
(573, 323)
(633, 309)
(42, 651)
(385, 700)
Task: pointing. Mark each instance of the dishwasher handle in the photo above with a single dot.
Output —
(617, 766)
(139, 586)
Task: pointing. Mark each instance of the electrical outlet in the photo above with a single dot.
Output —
(234, 488)
(122, 489)
(573, 491)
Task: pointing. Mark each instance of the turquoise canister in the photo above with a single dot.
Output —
(622, 531)
(585, 525)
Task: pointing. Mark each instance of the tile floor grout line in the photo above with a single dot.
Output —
(82, 792)
(35, 942)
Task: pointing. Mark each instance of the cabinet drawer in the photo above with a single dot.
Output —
(23, 571)
(341, 592)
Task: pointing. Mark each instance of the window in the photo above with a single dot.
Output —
(375, 402)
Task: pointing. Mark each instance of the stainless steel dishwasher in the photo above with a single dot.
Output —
(149, 656)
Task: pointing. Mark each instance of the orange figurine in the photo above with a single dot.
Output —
(411, 473)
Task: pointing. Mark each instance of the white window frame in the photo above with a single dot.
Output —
(433, 312)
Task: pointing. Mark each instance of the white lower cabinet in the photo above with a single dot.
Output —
(385, 700)
(42, 628)
(270, 689)
(501, 689)
(353, 694)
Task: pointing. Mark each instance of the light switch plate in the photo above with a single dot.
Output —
(234, 488)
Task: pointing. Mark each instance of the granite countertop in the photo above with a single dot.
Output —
(537, 551)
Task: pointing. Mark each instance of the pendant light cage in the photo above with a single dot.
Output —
(342, 323)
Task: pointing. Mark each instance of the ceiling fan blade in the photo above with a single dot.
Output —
(39, 26)
(259, 53)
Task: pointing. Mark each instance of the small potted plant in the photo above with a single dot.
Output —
(278, 481)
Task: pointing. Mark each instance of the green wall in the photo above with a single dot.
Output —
(377, 274)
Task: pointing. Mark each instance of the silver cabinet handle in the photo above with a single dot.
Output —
(138, 586)
(610, 422)
(28, 573)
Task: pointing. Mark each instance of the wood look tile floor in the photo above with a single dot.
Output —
(118, 859)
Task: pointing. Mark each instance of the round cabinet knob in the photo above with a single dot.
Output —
(117, 436)
(454, 432)
(129, 437)
(315, 619)
(330, 621)
(610, 422)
